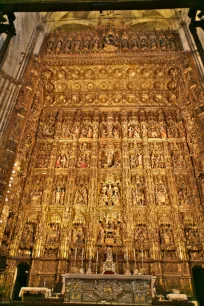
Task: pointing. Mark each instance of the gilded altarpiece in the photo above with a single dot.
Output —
(104, 150)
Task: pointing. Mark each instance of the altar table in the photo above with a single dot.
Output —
(35, 290)
(108, 288)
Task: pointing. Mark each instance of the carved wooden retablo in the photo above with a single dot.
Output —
(104, 151)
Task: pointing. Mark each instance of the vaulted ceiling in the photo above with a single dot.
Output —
(141, 19)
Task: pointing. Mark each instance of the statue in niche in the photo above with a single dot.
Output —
(9, 225)
(177, 158)
(101, 234)
(153, 42)
(36, 196)
(172, 127)
(109, 195)
(124, 42)
(87, 43)
(110, 42)
(166, 235)
(161, 195)
(134, 127)
(76, 130)
(192, 237)
(136, 132)
(84, 160)
(110, 158)
(90, 132)
(130, 131)
(96, 42)
(51, 252)
(62, 161)
(181, 129)
(53, 233)
(136, 159)
(153, 130)
(68, 46)
(59, 195)
(109, 231)
(47, 124)
(43, 156)
(141, 236)
(161, 192)
(76, 44)
(58, 47)
(50, 46)
(78, 236)
(143, 123)
(95, 129)
(83, 131)
(84, 156)
(28, 236)
(172, 43)
(183, 195)
(162, 42)
(108, 264)
(143, 43)
(116, 133)
(138, 197)
(104, 132)
(134, 43)
(157, 159)
(81, 196)
(162, 129)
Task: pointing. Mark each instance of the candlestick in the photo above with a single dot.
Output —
(89, 267)
(180, 251)
(127, 272)
(96, 262)
(142, 259)
(153, 251)
(82, 262)
(135, 269)
(75, 256)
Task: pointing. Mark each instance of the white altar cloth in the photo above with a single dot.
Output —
(177, 297)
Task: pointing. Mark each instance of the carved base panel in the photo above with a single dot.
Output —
(118, 289)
